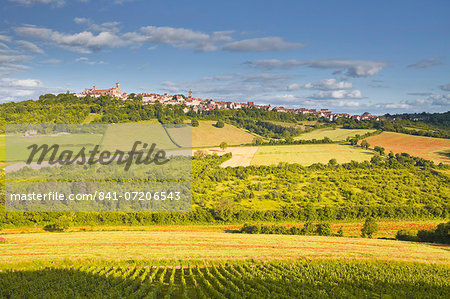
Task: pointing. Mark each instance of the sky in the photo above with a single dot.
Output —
(347, 56)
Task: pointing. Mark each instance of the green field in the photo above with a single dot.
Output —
(298, 279)
(123, 136)
(2, 151)
(17, 145)
(307, 154)
(337, 134)
(206, 134)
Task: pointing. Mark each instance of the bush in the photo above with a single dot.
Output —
(220, 124)
(3, 240)
(406, 235)
(308, 229)
(323, 229)
(250, 229)
(61, 224)
(340, 232)
(369, 228)
(194, 123)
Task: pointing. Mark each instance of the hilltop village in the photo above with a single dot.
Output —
(197, 104)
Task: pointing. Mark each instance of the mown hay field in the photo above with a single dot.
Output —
(206, 134)
(307, 154)
(120, 246)
(337, 134)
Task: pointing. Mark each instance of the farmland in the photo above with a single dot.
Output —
(300, 279)
(197, 246)
(336, 134)
(308, 154)
(206, 134)
(435, 149)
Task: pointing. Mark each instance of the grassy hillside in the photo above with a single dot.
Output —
(206, 134)
(435, 149)
(337, 134)
(307, 154)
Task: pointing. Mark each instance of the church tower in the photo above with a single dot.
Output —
(190, 94)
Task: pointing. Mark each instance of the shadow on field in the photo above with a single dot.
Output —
(269, 280)
(444, 154)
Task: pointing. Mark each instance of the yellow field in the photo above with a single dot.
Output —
(337, 134)
(185, 246)
(206, 134)
(435, 149)
(307, 154)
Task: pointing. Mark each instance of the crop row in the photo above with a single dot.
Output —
(301, 279)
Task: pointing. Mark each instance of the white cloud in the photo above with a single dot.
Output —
(351, 68)
(10, 64)
(337, 94)
(445, 87)
(12, 89)
(51, 61)
(261, 44)
(21, 82)
(347, 104)
(397, 106)
(426, 63)
(29, 46)
(107, 35)
(31, 2)
(179, 37)
(329, 84)
(87, 61)
(107, 26)
(5, 38)
(83, 42)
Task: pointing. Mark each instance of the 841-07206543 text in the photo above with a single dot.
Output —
(97, 195)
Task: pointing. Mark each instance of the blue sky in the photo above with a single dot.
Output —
(348, 56)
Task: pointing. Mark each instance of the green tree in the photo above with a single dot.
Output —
(308, 228)
(369, 228)
(379, 149)
(365, 144)
(332, 162)
(223, 145)
(194, 123)
(62, 223)
(323, 229)
(257, 140)
(220, 124)
(224, 209)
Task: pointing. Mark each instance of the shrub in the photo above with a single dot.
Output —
(220, 124)
(61, 224)
(3, 240)
(369, 228)
(323, 229)
(340, 232)
(194, 123)
(308, 229)
(406, 235)
(250, 229)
